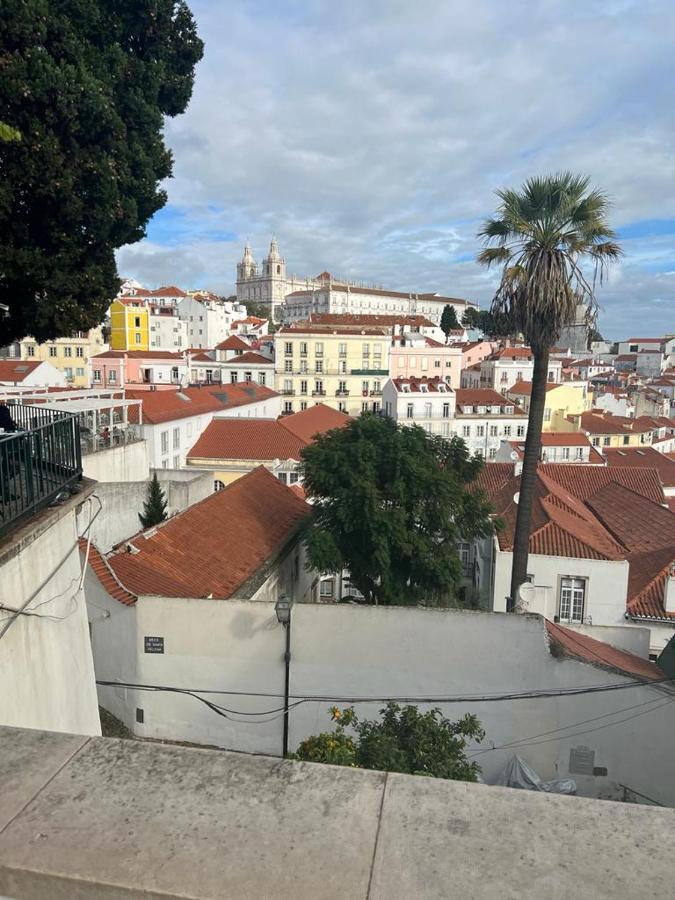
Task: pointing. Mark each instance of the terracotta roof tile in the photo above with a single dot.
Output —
(643, 458)
(597, 653)
(165, 406)
(483, 397)
(638, 523)
(233, 342)
(254, 439)
(213, 547)
(314, 420)
(17, 369)
(434, 385)
(106, 576)
(251, 359)
(648, 575)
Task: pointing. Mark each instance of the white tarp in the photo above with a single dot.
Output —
(517, 774)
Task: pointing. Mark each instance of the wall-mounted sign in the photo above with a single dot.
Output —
(153, 644)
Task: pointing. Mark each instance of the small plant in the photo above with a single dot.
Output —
(402, 740)
(154, 508)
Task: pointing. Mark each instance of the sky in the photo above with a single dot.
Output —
(369, 137)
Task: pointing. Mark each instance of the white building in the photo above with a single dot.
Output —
(208, 318)
(503, 368)
(602, 547)
(27, 373)
(556, 447)
(650, 363)
(167, 330)
(173, 420)
(427, 402)
(248, 366)
(636, 345)
(484, 418)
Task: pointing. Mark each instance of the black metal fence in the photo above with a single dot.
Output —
(37, 462)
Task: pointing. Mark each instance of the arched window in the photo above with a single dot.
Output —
(278, 270)
(218, 485)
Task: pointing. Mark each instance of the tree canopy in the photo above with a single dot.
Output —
(492, 325)
(403, 740)
(390, 504)
(85, 87)
(154, 507)
(449, 320)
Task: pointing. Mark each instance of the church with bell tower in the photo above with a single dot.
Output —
(267, 284)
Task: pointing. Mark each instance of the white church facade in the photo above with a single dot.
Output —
(294, 298)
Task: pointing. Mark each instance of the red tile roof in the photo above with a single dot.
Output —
(483, 397)
(632, 519)
(201, 356)
(250, 358)
(512, 353)
(643, 458)
(266, 439)
(212, 548)
(106, 576)
(139, 354)
(585, 481)
(525, 387)
(597, 653)
(647, 581)
(164, 406)
(17, 369)
(233, 342)
(435, 385)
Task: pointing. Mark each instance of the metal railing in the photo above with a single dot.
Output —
(37, 462)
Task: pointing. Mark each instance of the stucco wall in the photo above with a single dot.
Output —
(128, 462)
(46, 665)
(348, 651)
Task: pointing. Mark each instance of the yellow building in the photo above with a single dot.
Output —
(129, 324)
(68, 354)
(565, 399)
(606, 430)
(343, 367)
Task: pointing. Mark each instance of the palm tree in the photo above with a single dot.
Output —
(554, 243)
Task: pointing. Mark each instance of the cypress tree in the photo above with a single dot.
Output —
(449, 320)
(154, 508)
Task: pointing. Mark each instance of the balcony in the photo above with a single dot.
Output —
(342, 393)
(318, 393)
(288, 393)
(370, 372)
(376, 393)
(37, 462)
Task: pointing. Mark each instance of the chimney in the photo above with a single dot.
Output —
(669, 593)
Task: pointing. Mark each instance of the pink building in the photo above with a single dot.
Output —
(418, 356)
(138, 369)
(474, 352)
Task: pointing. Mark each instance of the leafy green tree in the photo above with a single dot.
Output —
(154, 508)
(492, 325)
(403, 740)
(593, 336)
(449, 320)
(542, 235)
(390, 504)
(87, 84)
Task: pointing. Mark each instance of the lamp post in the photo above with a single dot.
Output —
(283, 610)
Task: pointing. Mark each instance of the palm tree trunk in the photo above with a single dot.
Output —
(529, 474)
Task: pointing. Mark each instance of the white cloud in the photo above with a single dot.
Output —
(370, 136)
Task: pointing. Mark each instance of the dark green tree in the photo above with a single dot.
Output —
(87, 85)
(541, 236)
(493, 325)
(403, 740)
(154, 508)
(390, 504)
(593, 335)
(449, 320)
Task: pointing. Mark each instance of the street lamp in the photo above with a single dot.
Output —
(283, 610)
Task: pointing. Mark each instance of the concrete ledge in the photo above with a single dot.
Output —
(103, 818)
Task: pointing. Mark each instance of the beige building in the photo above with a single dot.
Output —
(69, 355)
(344, 367)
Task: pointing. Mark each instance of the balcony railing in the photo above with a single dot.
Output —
(318, 393)
(340, 393)
(37, 462)
(287, 393)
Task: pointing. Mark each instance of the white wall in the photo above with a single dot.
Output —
(126, 462)
(46, 665)
(348, 651)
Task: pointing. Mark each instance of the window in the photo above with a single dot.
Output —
(165, 464)
(342, 367)
(448, 364)
(261, 378)
(365, 350)
(79, 351)
(52, 351)
(626, 439)
(97, 375)
(565, 452)
(176, 439)
(377, 387)
(507, 431)
(493, 431)
(596, 441)
(605, 442)
(288, 386)
(547, 414)
(492, 452)
(79, 373)
(318, 387)
(165, 441)
(466, 431)
(342, 349)
(234, 377)
(508, 410)
(288, 406)
(464, 553)
(580, 452)
(342, 406)
(446, 429)
(112, 376)
(342, 387)
(437, 364)
(137, 322)
(218, 485)
(303, 348)
(303, 387)
(318, 349)
(427, 410)
(303, 367)
(138, 338)
(176, 462)
(303, 405)
(572, 598)
(248, 377)
(288, 348)
(365, 387)
(364, 407)
(520, 431)
(283, 477)
(480, 430)
(409, 411)
(319, 365)
(68, 372)
(326, 589)
(288, 365)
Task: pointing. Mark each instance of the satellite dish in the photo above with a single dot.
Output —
(516, 497)
(525, 595)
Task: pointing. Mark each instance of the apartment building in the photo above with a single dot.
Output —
(70, 355)
(564, 399)
(427, 402)
(167, 330)
(345, 368)
(419, 356)
(129, 324)
(484, 418)
(502, 369)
